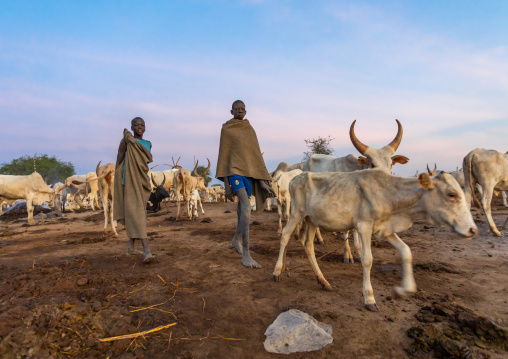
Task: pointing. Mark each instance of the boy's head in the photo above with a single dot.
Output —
(138, 127)
(238, 110)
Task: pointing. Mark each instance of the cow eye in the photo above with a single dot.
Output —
(452, 195)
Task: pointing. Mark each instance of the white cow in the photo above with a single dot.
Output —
(184, 183)
(32, 188)
(93, 185)
(106, 182)
(372, 158)
(374, 203)
(195, 200)
(489, 168)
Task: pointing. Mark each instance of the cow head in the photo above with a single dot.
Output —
(201, 185)
(445, 203)
(158, 194)
(378, 158)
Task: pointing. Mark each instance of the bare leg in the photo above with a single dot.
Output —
(236, 242)
(146, 251)
(130, 247)
(243, 226)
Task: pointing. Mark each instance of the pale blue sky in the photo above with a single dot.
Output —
(73, 75)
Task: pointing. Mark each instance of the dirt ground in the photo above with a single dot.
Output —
(64, 287)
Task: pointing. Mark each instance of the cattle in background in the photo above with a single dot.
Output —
(106, 181)
(158, 194)
(488, 168)
(92, 190)
(184, 183)
(32, 188)
(459, 176)
(286, 167)
(74, 185)
(433, 172)
(374, 203)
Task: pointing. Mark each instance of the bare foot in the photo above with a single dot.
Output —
(250, 263)
(133, 251)
(236, 243)
(148, 258)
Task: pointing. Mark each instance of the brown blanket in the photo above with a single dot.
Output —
(130, 199)
(239, 154)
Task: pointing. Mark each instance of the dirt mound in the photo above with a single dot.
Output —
(20, 212)
(452, 331)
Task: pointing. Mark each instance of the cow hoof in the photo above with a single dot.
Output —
(319, 242)
(276, 278)
(348, 260)
(497, 233)
(399, 292)
(372, 307)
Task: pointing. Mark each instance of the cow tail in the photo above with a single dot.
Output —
(468, 174)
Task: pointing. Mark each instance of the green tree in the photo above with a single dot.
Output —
(320, 145)
(50, 168)
(202, 169)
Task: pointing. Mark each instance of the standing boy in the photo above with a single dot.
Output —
(242, 168)
(132, 186)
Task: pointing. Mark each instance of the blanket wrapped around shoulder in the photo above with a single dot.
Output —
(239, 154)
(130, 199)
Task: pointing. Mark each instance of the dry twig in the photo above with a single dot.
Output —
(135, 335)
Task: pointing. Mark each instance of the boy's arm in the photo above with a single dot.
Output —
(228, 190)
(121, 152)
(267, 188)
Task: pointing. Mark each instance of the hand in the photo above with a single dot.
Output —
(228, 190)
(267, 188)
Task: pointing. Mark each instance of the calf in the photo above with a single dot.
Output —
(194, 201)
(158, 194)
(374, 203)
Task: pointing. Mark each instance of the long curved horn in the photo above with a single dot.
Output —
(396, 141)
(356, 142)
(97, 168)
(435, 167)
(428, 169)
(59, 189)
(153, 167)
(207, 169)
(195, 168)
(164, 180)
(177, 161)
(153, 181)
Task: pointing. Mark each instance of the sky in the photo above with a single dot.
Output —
(73, 74)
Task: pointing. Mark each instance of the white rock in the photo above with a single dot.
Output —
(295, 331)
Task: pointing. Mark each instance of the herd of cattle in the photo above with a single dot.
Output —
(336, 194)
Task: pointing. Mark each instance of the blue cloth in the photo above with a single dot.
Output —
(237, 182)
(146, 144)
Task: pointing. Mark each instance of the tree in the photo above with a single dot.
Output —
(50, 168)
(200, 171)
(320, 145)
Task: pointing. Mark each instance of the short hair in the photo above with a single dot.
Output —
(237, 101)
(135, 119)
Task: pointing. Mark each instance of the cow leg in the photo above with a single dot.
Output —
(319, 238)
(408, 284)
(356, 242)
(279, 212)
(365, 233)
(488, 189)
(308, 244)
(294, 221)
(106, 212)
(30, 210)
(348, 256)
(503, 194)
(113, 222)
(243, 223)
(201, 205)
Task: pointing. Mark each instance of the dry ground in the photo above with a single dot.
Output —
(63, 288)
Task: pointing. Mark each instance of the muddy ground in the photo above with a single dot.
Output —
(64, 287)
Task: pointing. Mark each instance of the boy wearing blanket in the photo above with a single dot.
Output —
(242, 168)
(132, 186)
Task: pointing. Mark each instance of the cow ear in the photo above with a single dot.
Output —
(363, 160)
(399, 159)
(425, 182)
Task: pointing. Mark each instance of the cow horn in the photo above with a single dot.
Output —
(396, 141)
(356, 142)
(178, 160)
(153, 167)
(207, 169)
(97, 168)
(435, 168)
(164, 180)
(195, 168)
(59, 189)
(428, 169)
(153, 181)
